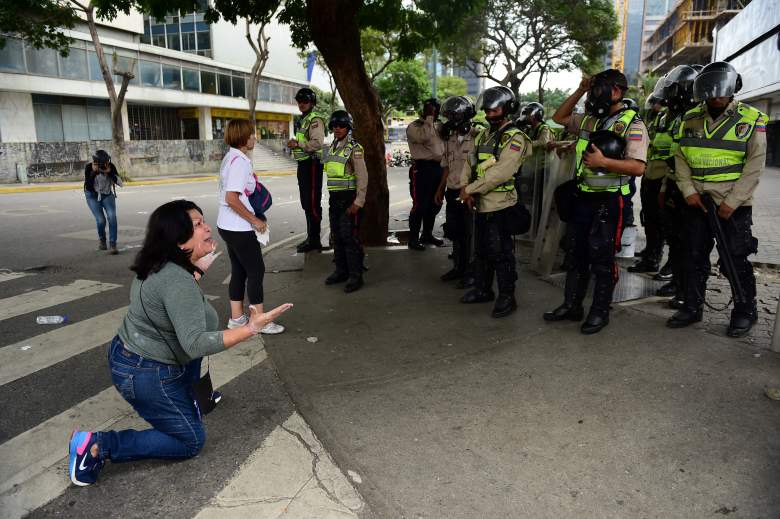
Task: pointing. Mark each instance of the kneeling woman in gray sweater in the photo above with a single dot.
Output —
(156, 354)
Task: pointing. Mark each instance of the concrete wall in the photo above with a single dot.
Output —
(17, 119)
(61, 161)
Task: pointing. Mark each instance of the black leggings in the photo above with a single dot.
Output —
(246, 265)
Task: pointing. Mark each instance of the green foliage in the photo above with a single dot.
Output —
(404, 85)
(447, 86)
(513, 38)
(552, 99)
(324, 100)
(642, 89)
(38, 22)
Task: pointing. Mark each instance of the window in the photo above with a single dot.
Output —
(153, 123)
(239, 90)
(204, 43)
(94, 67)
(190, 80)
(146, 37)
(150, 73)
(12, 57)
(171, 77)
(48, 122)
(75, 126)
(99, 119)
(60, 118)
(208, 82)
(75, 65)
(224, 85)
(188, 42)
(41, 61)
(264, 91)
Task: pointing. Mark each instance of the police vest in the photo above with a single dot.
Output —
(590, 181)
(662, 143)
(302, 136)
(336, 167)
(538, 131)
(487, 148)
(717, 155)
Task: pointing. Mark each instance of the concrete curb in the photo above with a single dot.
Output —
(66, 186)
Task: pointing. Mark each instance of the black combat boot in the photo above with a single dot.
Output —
(573, 294)
(684, 317)
(598, 316)
(665, 274)
(644, 265)
(339, 276)
(743, 317)
(432, 240)
(354, 283)
(505, 305)
(667, 290)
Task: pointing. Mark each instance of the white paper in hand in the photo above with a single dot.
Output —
(263, 237)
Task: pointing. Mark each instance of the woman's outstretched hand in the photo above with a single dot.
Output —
(257, 320)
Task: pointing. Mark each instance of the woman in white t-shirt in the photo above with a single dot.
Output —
(236, 224)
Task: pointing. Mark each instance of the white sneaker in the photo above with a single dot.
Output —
(272, 329)
(237, 323)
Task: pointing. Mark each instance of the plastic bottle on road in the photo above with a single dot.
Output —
(51, 319)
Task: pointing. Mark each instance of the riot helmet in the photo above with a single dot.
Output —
(497, 97)
(599, 102)
(718, 79)
(531, 112)
(340, 118)
(677, 91)
(651, 101)
(630, 104)
(611, 144)
(306, 95)
(458, 112)
(697, 67)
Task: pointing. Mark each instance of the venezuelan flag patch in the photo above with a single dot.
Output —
(634, 135)
(760, 128)
(515, 146)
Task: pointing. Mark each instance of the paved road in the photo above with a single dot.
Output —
(54, 379)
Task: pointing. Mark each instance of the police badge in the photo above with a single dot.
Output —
(741, 130)
(618, 127)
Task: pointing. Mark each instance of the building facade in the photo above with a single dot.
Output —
(623, 53)
(190, 78)
(751, 42)
(685, 35)
(654, 13)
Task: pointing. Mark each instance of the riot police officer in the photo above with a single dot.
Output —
(531, 121)
(426, 147)
(347, 175)
(658, 153)
(458, 135)
(593, 230)
(307, 151)
(721, 155)
(676, 91)
(490, 187)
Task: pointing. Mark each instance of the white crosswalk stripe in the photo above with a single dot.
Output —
(7, 275)
(39, 299)
(31, 355)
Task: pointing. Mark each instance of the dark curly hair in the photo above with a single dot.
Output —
(169, 226)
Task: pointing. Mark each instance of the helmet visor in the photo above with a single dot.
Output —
(493, 98)
(714, 83)
(455, 109)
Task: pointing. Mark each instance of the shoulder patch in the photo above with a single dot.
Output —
(516, 145)
(505, 138)
(635, 134)
(618, 127)
(741, 130)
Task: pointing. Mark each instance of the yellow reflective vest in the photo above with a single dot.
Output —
(591, 181)
(717, 154)
(488, 152)
(301, 136)
(336, 167)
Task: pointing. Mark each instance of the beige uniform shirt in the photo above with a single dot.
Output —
(544, 137)
(457, 149)
(636, 144)
(315, 136)
(510, 158)
(356, 165)
(425, 142)
(739, 192)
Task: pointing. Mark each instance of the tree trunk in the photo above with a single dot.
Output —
(335, 33)
(261, 58)
(541, 86)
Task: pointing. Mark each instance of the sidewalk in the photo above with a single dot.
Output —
(66, 186)
(446, 412)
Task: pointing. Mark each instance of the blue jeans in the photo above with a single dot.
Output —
(107, 204)
(162, 395)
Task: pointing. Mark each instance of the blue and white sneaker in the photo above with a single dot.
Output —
(83, 468)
